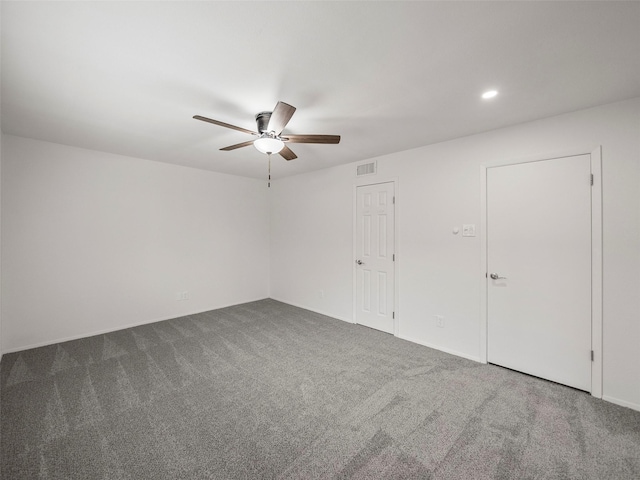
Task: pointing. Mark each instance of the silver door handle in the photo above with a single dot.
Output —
(359, 262)
(495, 276)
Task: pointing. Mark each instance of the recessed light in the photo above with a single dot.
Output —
(489, 94)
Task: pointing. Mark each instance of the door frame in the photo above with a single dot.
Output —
(596, 255)
(364, 182)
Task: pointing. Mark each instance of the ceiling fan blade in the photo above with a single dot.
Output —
(280, 117)
(312, 138)
(222, 124)
(237, 145)
(287, 153)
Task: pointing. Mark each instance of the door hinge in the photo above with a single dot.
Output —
(394, 200)
(394, 257)
(393, 315)
(592, 357)
(592, 179)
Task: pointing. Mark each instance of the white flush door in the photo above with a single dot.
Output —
(539, 239)
(375, 246)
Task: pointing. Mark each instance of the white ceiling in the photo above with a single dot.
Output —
(127, 77)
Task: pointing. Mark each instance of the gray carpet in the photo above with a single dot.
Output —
(267, 390)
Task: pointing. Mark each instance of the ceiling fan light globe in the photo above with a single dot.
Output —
(268, 145)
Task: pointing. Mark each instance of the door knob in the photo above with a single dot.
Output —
(359, 262)
(495, 276)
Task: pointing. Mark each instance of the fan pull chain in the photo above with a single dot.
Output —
(269, 184)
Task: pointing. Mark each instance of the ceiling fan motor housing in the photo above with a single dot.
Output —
(262, 119)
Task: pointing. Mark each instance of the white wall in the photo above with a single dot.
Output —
(439, 273)
(1, 349)
(93, 242)
(1, 336)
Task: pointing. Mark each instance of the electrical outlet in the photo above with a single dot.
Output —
(439, 320)
(321, 293)
(182, 296)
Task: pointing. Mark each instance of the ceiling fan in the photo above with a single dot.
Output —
(270, 126)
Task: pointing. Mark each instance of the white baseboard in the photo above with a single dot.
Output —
(409, 339)
(121, 327)
(437, 347)
(607, 398)
(622, 403)
(314, 310)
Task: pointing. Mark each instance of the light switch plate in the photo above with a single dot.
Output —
(469, 230)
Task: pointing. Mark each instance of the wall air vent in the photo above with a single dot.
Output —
(366, 169)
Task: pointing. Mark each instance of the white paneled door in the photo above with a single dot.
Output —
(375, 256)
(539, 269)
